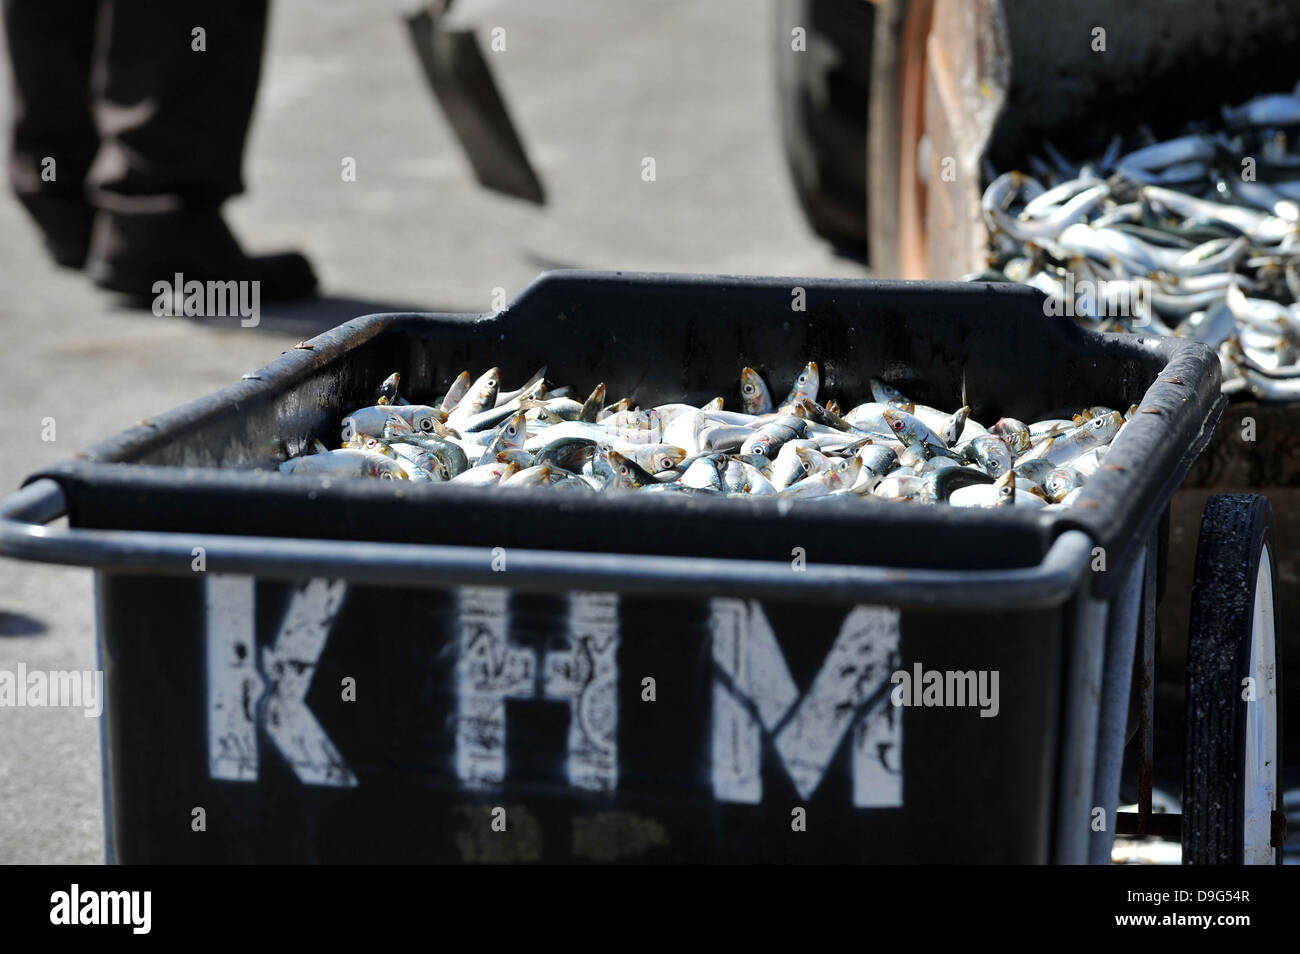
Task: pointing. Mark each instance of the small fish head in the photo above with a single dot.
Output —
(623, 469)
(759, 444)
(1013, 433)
(385, 469)
(899, 424)
(668, 458)
(806, 384)
(809, 458)
(427, 419)
(512, 430)
(844, 471)
(486, 387)
(1104, 427)
(388, 390)
(1058, 483)
(993, 455)
(1005, 487)
(751, 389)
(884, 393)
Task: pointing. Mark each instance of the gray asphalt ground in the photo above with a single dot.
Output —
(596, 85)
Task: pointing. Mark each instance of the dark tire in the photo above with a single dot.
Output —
(1231, 811)
(823, 93)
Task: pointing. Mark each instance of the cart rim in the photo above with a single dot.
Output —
(1261, 774)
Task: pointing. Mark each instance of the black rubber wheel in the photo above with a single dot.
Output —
(823, 93)
(1232, 775)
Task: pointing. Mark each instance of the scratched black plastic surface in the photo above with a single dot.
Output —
(974, 789)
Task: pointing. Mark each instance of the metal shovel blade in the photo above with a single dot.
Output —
(462, 81)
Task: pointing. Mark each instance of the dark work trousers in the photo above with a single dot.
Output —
(134, 115)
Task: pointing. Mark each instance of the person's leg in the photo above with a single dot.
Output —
(174, 91)
(53, 136)
(173, 107)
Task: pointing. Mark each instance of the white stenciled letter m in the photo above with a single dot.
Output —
(754, 694)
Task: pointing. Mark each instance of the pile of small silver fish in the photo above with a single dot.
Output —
(890, 447)
(1207, 224)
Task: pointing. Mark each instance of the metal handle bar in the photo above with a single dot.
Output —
(23, 534)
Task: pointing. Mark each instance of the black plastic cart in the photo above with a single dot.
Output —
(373, 671)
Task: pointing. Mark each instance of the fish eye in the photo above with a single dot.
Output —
(426, 424)
(748, 389)
(385, 476)
(898, 425)
(993, 465)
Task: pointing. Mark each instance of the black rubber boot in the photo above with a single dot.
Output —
(129, 253)
(65, 226)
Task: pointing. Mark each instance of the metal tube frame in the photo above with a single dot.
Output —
(24, 535)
